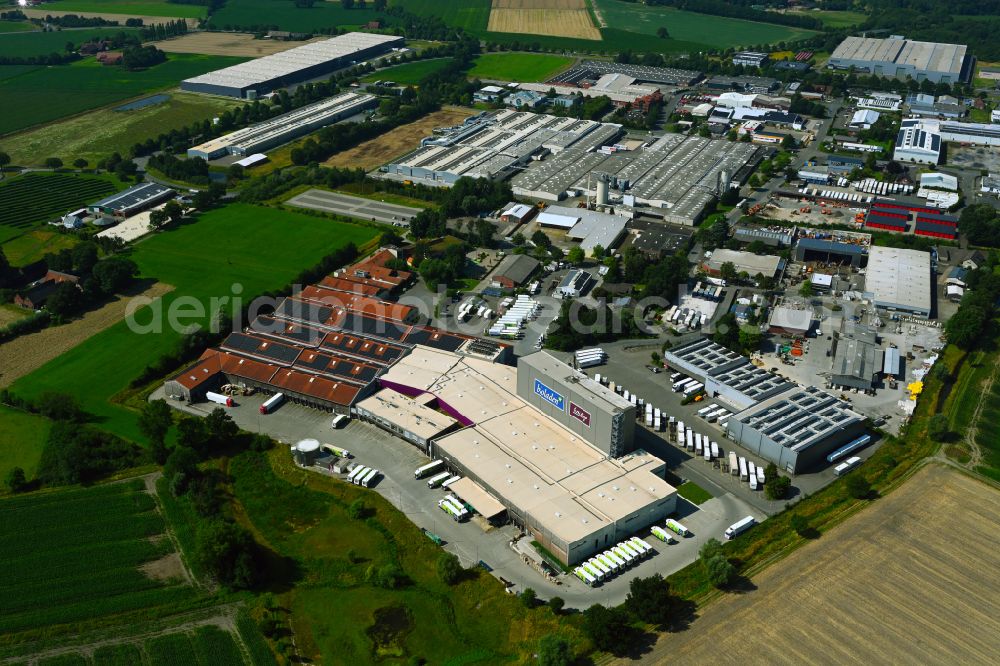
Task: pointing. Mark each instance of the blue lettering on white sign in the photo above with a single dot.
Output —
(549, 396)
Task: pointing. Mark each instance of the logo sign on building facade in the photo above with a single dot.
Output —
(579, 413)
(550, 396)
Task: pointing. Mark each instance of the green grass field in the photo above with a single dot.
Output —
(471, 15)
(46, 94)
(16, 26)
(712, 31)
(27, 44)
(303, 516)
(34, 245)
(693, 492)
(21, 440)
(835, 19)
(528, 67)
(97, 134)
(286, 16)
(34, 198)
(410, 73)
(141, 7)
(257, 248)
(79, 560)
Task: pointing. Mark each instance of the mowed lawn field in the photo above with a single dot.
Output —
(410, 73)
(285, 15)
(140, 7)
(912, 579)
(97, 134)
(80, 559)
(257, 248)
(714, 31)
(28, 44)
(527, 67)
(41, 95)
(22, 438)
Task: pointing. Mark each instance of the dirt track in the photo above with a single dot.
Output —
(27, 353)
(913, 579)
(399, 141)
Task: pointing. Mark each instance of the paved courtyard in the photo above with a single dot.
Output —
(356, 207)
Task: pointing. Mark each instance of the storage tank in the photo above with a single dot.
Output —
(305, 452)
(723, 184)
(602, 191)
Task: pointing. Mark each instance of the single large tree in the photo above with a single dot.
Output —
(649, 599)
(154, 422)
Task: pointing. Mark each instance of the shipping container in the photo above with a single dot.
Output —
(428, 469)
(660, 534)
(743, 468)
(734, 465)
(676, 527)
(436, 481)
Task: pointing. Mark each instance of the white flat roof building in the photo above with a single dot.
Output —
(281, 129)
(898, 279)
(898, 57)
(259, 76)
(939, 180)
(567, 493)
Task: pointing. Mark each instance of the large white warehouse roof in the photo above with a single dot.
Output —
(293, 60)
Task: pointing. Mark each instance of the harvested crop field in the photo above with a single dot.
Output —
(912, 579)
(399, 141)
(556, 18)
(110, 16)
(27, 353)
(227, 43)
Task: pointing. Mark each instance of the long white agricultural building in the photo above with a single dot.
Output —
(282, 129)
(257, 77)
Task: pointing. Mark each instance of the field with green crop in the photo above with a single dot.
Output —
(286, 16)
(711, 31)
(304, 517)
(27, 44)
(140, 7)
(50, 93)
(528, 67)
(97, 134)
(17, 26)
(74, 555)
(253, 247)
(34, 198)
(22, 437)
(410, 73)
(835, 19)
(471, 15)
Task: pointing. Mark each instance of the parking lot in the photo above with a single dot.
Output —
(356, 207)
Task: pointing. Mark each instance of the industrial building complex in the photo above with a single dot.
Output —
(551, 447)
(536, 438)
(282, 129)
(792, 426)
(676, 175)
(254, 78)
(901, 58)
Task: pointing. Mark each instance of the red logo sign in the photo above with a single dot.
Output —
(579, 413)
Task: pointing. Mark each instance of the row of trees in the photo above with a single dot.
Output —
(974, 324)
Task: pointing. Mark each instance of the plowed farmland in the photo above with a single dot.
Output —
(557, 18)
(912, 579)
